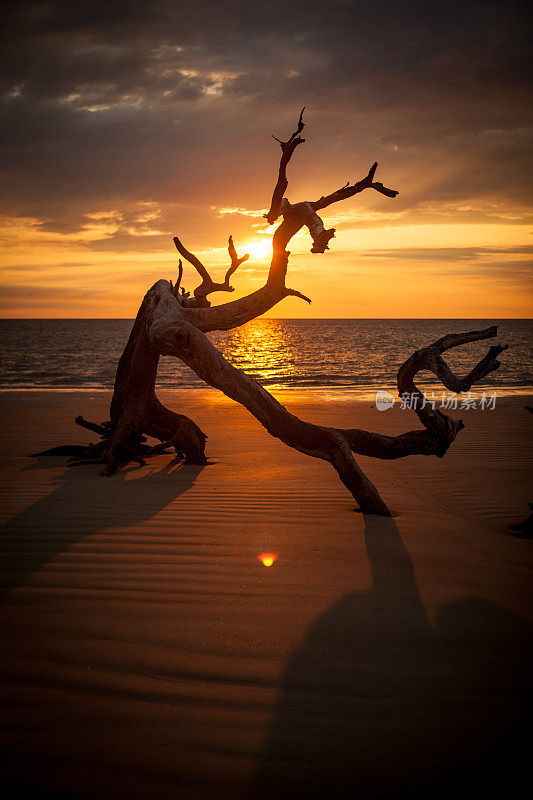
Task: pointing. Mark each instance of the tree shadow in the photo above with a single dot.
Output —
(69, 512)
(378, 703)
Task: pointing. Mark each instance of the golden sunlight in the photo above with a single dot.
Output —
(259, 250)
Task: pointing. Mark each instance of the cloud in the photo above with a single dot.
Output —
(446, 253)
(121, 96)
(107, 109)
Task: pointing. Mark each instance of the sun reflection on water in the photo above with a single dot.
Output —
(264, 350)
(343, 354)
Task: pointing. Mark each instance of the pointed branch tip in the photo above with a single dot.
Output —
(296, 293)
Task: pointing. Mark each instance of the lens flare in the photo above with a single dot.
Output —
(267, 559)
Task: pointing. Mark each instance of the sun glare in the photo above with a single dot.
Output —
(267, 559)
(259, 250)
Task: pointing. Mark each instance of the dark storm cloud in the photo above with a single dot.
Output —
(109, 103)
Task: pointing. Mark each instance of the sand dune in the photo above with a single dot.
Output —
(149, 653)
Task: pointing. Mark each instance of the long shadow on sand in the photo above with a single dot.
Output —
(378, 703)
(76, 509)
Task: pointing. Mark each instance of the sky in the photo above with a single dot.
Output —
(127, 123)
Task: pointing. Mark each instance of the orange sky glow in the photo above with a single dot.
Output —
(387, 270)
(116, 141)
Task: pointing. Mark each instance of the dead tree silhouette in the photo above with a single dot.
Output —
(169, 322)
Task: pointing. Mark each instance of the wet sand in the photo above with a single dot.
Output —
(147, 651)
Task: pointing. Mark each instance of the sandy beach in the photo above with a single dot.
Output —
(148, 653)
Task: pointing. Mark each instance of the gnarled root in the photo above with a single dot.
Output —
(125, 443)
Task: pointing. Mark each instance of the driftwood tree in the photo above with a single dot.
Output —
(170, 322)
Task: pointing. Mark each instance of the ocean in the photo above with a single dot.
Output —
(68, 354)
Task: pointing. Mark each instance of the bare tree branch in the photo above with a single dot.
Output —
(208, 286)
(295, 216)
(308, 217)
(295, 293)
(102, 430)
(441, 429)
(192, 259)
(287, 149)
(235, 260)
(348, 191)
(180, 276)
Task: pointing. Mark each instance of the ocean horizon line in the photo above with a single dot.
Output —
(281, 319)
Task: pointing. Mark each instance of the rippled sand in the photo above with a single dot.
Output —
(149, 653)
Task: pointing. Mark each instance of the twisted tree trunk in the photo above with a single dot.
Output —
(169, 322)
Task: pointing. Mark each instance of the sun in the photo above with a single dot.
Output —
(259, 250)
